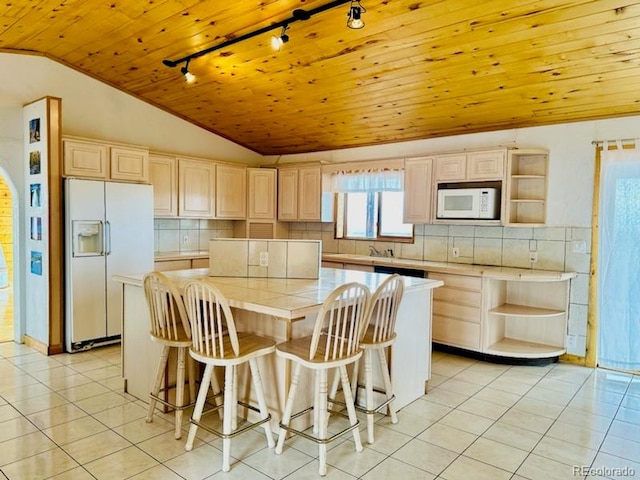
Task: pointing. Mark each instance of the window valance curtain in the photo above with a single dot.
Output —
(378, 180)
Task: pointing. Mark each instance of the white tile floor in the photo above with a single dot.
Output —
(65, 417)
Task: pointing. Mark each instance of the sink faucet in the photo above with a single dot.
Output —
(374, 252)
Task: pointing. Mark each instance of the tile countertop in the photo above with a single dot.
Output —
(498, 273)
(160, 256)
(288, 298)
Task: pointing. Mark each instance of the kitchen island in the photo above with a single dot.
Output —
(283, 309)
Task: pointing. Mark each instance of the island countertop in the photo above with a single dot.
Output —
(287, 298)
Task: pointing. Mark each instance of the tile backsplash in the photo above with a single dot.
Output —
(188, 235)
(557, 248)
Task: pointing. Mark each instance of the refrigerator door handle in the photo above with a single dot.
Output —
(107, 238)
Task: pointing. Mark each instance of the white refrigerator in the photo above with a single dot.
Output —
(109, 231)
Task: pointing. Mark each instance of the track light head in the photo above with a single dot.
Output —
(354, 17)
(278, 41)
(188, 76)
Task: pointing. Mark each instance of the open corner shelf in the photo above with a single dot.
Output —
(509, 309)
(509, 347)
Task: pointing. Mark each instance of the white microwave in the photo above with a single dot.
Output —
(469, 203)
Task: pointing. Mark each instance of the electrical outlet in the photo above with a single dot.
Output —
(264, 259)
(533, 257)
(185, 239)
(579, 247)
(455, 251)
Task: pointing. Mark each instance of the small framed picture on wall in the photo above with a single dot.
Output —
(35, 166)
(35, 198)
(34, 130)
(36, 263)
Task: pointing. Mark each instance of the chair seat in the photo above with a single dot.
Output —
(368, 342)
(298, 350)
(183, 340)
(250, 346)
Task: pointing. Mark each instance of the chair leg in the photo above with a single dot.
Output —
(234, 401)
(191, 369)
(197, 411)
(215, 388)
(368, 385)
(286, 416)
(348, 399)
(354, 381)
(157, 384)
(334, 388)
(179, 392)
(262, 403)
(316, 402)
(323, 419)
(229, 410)
(388, 387)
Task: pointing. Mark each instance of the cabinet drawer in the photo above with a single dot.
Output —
(459, 297)
(456, 311)
(458, 281)
(168, 265)
(456, 332)
(200, 263)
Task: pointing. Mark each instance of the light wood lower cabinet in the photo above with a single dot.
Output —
(457, 310)
(180, 264)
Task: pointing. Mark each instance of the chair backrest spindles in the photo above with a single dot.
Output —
(339, 322)
(166, 308)
(383, 308)
(211, 319)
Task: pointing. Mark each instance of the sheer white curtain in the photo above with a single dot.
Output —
(619, 258)
(367, 181)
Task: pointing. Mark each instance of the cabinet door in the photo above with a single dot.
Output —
(451, 167)
(231, 192)
(418, 180)
(196, 188)
(163, 174)
(486, 165)
(288, 194)
(129, 164)
(309, 194)
(85, 159)
(262, 193)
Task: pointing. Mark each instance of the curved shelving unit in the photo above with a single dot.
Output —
(525, 311)
(508, 347)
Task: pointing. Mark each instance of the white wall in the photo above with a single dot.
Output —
(571, 159)
(89, 109)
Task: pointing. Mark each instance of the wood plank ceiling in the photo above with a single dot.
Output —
(418, 69)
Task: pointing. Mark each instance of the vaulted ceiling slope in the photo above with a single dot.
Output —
(418, 69)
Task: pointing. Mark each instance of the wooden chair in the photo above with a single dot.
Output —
(215, 342)
(333, 344)
(379, 334)
(170, 328)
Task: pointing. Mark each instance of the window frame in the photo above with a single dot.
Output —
(341, 222)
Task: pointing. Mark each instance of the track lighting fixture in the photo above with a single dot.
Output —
(354, 17)
(354, 20)
(278, 41)
(188, 76)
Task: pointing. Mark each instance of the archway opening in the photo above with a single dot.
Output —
(7, 240)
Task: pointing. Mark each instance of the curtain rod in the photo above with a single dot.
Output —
(623, 140)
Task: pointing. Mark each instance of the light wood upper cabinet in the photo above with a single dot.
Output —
(418, 187)
(288, 194)
(105, 161)
(300, 194)
(309, 194)
(129, 164)
(231, 192)
(451, 167)
(485, 165)
(85, 159)
(196, 188)
(262, 193)
(163, 174)
(470, 166)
